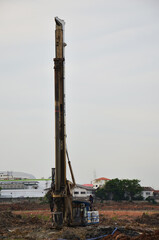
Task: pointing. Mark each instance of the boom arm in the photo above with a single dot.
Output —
(70, 167)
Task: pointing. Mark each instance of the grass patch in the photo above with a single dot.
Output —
(43, 217)
(115, 218)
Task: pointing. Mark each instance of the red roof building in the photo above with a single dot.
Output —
(88, 185)
(99, 182)
(102, 178)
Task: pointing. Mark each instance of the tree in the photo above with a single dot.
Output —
(132, 188)
(101, 193)
(114, 189)
(118, 190)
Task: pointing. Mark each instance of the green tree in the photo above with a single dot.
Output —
(132, 188)
(101, 193)
(114, 189)
(118, 190)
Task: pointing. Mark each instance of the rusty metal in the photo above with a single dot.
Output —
(60, 136)
(62, 187)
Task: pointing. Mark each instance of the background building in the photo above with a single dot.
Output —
(147, 192)
(99, 182)
(6, 175)
(82, 191)
(22, 185)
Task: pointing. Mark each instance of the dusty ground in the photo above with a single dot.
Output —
(127, 220)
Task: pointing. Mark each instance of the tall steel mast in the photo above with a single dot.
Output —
(60, 132)
(61, 187)
(66, 210)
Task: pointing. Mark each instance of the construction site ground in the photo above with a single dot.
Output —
(123, 221)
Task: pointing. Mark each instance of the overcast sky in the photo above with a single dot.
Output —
(112, 87)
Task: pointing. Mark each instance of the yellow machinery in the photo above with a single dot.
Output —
(65, 209)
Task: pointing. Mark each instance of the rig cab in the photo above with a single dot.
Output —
(82, 213)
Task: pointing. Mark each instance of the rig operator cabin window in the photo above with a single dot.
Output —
(83, 192)
(76, 192)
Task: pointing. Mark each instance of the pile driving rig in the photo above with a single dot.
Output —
(65, 209)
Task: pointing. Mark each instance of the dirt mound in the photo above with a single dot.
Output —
(70, 235)
(152, 219)
(23, 206)
(99, 232)
(148, 236)
(122, 236)
(13, 226)
(125, 205)
(122, 233)
(117, 236)
(8, 220)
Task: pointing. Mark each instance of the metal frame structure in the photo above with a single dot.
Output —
(66, 211)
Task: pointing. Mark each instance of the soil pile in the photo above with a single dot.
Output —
(17, 227)
(112, 205)
(152, 219)
(23, 206)
(145, 236)
(8, 219)
(149, 236)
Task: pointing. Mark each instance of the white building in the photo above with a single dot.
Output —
(147, 192)
(99, 182)
(37, 188)
(24, 188)
(81, 191)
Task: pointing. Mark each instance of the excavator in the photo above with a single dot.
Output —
(66, 210)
